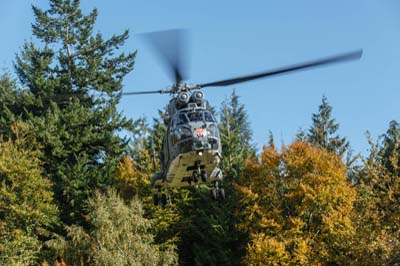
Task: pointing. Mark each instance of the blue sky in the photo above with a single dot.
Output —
(232, 38)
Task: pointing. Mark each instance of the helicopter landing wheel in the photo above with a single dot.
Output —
(156, 199)
(163, 200)
(203, 176)
(217, 192)
(195, 177)
(221, 193)
(214, 193)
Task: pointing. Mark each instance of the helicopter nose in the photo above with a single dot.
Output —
(200, 132)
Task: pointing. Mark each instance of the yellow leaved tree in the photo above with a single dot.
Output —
(296, 207)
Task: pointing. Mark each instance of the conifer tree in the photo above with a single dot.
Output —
(75, 77)
(323, 131)
(235, 135)
(7, 101)
(391, 147)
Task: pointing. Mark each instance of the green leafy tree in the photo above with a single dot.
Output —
(120, 235)
(323, 132)
(377, 209)
(27, 212)
(75, 77)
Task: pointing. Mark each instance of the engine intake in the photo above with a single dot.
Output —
(198, 97)
(182, 99)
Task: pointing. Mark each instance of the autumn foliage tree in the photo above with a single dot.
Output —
(296, 207)
(28, 214)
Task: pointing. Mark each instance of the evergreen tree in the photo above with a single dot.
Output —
(391, 147)
(322, 133)
(7, 100)
(75, 77)
(235, 135)
(156, 138)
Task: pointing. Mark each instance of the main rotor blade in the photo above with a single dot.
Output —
(146, 92)
(170, 45)
(300, 66)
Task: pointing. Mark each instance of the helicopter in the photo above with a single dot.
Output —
(191, 150)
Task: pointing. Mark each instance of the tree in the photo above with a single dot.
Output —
(377, 209)
(235, 135)
(322, 133)
(390, 148)
(75, 78)
(27, 212)
(296, 207)
(120, 235)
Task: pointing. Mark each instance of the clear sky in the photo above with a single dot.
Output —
(232, 38)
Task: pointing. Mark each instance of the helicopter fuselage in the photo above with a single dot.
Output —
(191, 148)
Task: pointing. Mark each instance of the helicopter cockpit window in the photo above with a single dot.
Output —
(208, 117)
(195, 116)
(182, 119)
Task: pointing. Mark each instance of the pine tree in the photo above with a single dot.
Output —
(391, 147)
(322, 133)
(235, 135)
(75, 77)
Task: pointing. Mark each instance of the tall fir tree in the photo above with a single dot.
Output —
(75, 76)
(323, 132)
(390, 147)
(235, 135)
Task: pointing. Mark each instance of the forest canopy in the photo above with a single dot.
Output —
(75, 190)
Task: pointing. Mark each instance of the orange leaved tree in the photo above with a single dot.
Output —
(296, 207)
